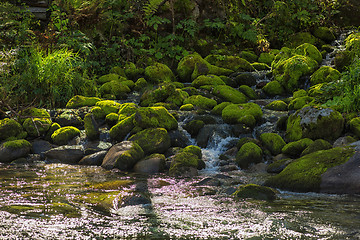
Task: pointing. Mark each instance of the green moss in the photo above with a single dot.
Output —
(266, 58)
(9, 128)
(152, 140)
(140, 84)
(300, 38)
(108, 106)
(194, 150)
(36, 127)
(177, 98)
(158, 73)
(128, 83)
(317, 145)
(294, 149)
(98, 112)
(155, 117)
(193, 127)
(278, 165)
(304, 174)
(310, 51)
(159, 94)
(299, 93)
(116, 88)
(234, 63)
(107, 78)
(248, 91)
(230, 94)
(52, 129)
(182, 162)
(91, 127)
(112, 185)
(355, 126)
(273, 142)
(325, 34)
(63, 135)
(300, 102)
(260, 66)
(120, 130)
(256, 192)
(249, 56)
(127, 109)
(187, 107)
(201, 102)
(206, 69)
(217, 110)
(277, 105)
(325, 74)
(187, 65)
(133, 72)
(118, 70)
(235, 113)
(16, 144)
(249, 153)
(81, 101)
(273, 88)
(244, 140)
(112, 119)
(207, 80)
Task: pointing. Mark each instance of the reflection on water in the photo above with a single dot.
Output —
(58, 201)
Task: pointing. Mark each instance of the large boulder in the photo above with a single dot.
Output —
(254, 191)
(305, 173)
(294, 149)
(37, 123)
(158, 73)
(247, 114)
(248, 154)
(12, 150)
(201, 102)
(273, 142)
(66, 154)
(91, 127)
(204, 80)
(155, 117)
(309, 50)
(120, 130)
(159, 94)
(63, 135)
(9, 128)
(114, 89)
(314, 123)
(324, 74)
(234, 63)
(230, 94)
(123, 156)
(109, 106)
(81, 101)
(69, 117)
(155, 163)
(152, 140)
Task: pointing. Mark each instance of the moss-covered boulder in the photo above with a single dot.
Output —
(294, 149)
(126, 110)
(298, 103)
(132, 71)
(217, 110)
(155, 163)
(310, 51)
(107, 78)
(230, 94)
(193, 65)
(248, 154)
(325, 34)
(152, 140)
(248, 92)
(247, 113)
(249, 56)
(120, 130)
(234, 63)
(278, 165)
(273, 142)
(9, 128)
(184, 164)
(299, 38)
(12, 150)
(355, 126)
(63, 135)
(81, 101)
(155, 117)
(304, 174)
(245, 78)
(273, 88)
(193, 127)
(256, 192)
(317, 145)
(314, 123)
(111, 119)
(277, 105)
(98, 112)
(52, 129)
(324, 74)
(91, 127)
(288, 72)
(140, 84)
(69, 117)
(159, 73)
(108, 106)
(260, 66)
(266, 58)
(37, 123)
(114, 88)
(177, 98)
(201, 102)
(159, 94)
(123, 156)
(207, 80)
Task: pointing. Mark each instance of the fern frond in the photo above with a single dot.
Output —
(151, 7)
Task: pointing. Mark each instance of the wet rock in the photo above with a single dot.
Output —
(152, 140)
(230, 94)
(254, 191)
(66, 154)
(69, 117)
(15, 149)
(343, 141)
(120, 130)
(91, 127)
(65, 134)
(95, 159)
(193, 127)
(245, 79)
(228, 168)
(40, 146)
(355, 126)
(178, 139)
(123, 156)
(186, 163)
(314, 123)
(278, 165)
(273, 88)
(317, 145)
(295, 148)
(152, 164)
(134, 198)
(273, 142)
(209, 182)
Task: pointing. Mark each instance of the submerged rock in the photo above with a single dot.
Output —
(256, 192)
